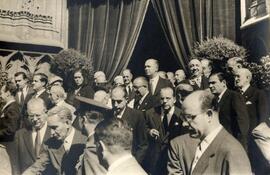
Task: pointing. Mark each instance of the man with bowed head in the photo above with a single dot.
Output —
(113, 139)
(28, 141)
(208, 148)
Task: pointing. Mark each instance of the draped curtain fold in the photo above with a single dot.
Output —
(186, 22)
(106, 31)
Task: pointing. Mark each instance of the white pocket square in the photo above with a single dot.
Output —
(248, 103)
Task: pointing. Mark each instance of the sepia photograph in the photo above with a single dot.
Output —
(134, 87)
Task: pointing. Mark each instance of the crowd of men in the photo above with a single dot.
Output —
(163, 123)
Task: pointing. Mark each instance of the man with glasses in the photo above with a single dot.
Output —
(143, 98)
(28, 141)
(208, 148)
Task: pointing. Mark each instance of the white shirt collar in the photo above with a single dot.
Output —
(121, 113)
(42, 133)
(245, 88)
(154, 82)
(143, 97)
(221, 94)
(60, 103)
(169, 115)
(40, 92)
(118, 162)
(8, 103)
(68, 140)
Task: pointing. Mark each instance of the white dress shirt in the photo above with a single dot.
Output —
(204, 144)
(169, 115)
(68, 140)
(118, 162)
(42, 133)
(153, 83)
(221, 94)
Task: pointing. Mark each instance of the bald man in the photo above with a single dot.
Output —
(151, 67)
(208, 148)
(144, 100)
(179, 76)
(197, 80)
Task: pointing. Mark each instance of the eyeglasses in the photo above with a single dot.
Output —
(189, 117)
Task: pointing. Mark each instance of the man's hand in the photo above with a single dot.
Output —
(154, 133)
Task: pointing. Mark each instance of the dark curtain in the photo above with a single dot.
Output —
(106, 31)
(188, 21)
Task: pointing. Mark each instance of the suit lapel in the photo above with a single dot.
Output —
(223, 98)
(248, 93)
(209, 153)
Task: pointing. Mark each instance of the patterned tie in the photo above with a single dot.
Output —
(37, 143)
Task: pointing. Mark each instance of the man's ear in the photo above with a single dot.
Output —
(209, 113)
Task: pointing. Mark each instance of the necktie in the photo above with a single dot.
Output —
(165, 121)
(21, 98)
(37, 143)
(151, 83)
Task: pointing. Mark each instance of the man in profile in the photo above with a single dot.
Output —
(62, 151)
(113, 139)
(208, 148)
(233, 113)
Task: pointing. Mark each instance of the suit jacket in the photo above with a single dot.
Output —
(85, 91)
(204, 83)
(89, 162)
(233, 115)
(55, 160)
(157, 152)
(256, 103)
(147, 103)
(9, 122)
(29, 95)
(25, 152)
(136, 121)
(162, 83)
(45, 97)
(218, 158)
(129, 167)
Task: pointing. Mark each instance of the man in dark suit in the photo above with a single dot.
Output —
(233, 114)
(233, 64)
(197, 80)
(40, 81)
(134, 118)
(208, 148)
(25, 92)
(127, 76)
(143, 99)
(9, 118)
(256, 103)
(62, 151)
(255, 99)
(9, 115)
(151, 67)
(179, 76)
(163, 124)
(89, 162)
(28, 141)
